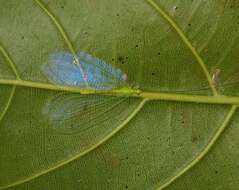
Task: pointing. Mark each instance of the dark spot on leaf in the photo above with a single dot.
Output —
(137, 45)
(120, 58)
(194, 139)
(126, 186)
(159, 53)
(153, 74)
(189, 24)
(62, 7)
(112, 59)
(216, 172)
(23, 37)
(117, 14)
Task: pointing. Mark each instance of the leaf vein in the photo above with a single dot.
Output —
(9, 61)
(63, 34)
(10, 98)
(58, 26)
(187, 43)
(78, 156)
(205, 151)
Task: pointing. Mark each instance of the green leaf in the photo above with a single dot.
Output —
(175, 127)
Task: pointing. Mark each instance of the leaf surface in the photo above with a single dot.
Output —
(173, 127)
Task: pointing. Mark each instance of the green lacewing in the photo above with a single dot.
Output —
(71, 113)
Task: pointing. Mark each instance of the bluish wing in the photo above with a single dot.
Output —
(98, 75)
(61, 70)
(101, 75)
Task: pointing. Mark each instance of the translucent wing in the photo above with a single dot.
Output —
(61, 69)
(73, 113)
(101, 75)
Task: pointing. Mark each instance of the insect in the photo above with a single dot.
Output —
(84, 71)
(73, 113)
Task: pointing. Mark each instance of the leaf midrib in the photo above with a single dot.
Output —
(129, 92)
